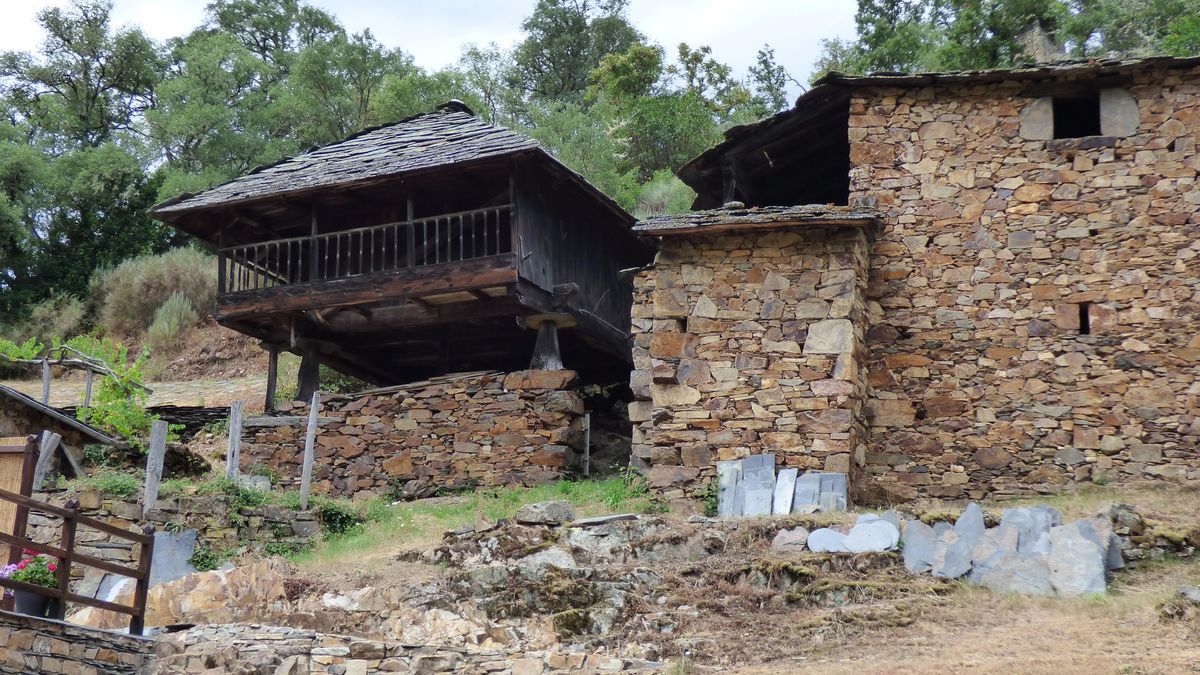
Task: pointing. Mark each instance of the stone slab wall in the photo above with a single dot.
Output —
(982, 381)
(494, 429)
(746, 343)
(216, 527)
(29, 645)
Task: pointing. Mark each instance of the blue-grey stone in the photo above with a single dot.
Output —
(835, 493)
(953, 557)
(785, 489)
(1018, 573)
(994, 545)
(808, 490)
(892, 517)
(1077, 561)
(790, 540)
(920, 541)
(826, 540)
(941, 527)
(171, 555)
(758, 479)
(728, 474)
(873, 535)
(1032, 522)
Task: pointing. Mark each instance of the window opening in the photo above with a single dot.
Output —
(1077, 116)
(1085, 325)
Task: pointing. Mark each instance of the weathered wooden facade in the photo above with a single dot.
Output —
(436, 244)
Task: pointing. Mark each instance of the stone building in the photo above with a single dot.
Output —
(1003, 303)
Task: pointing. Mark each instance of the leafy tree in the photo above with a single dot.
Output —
(487, 72)
(89, 82)
(770, 82)
(565, 40)
(273, 30)
(582, 139)
(333, 84)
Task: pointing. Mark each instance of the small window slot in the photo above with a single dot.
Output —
(1077, 116)
(1085, 322)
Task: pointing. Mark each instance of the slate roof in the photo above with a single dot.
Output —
(449, 135)
(760, 217)
(834, 85)
(60, 416)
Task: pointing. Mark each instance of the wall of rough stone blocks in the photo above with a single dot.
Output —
(982, 381)
(524, 427)
(745, 343)
(216, 527)
(29, 645)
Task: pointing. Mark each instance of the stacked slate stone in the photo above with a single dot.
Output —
(750, 487)
(1031, 552)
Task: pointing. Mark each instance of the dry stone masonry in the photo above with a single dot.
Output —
(749, 341)
(1032, 300)
(29, 645)
(523, 427)
(1024, 318)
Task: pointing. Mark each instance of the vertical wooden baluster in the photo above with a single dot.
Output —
(70, 520)
(221, 272)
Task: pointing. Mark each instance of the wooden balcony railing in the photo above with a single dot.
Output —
(389, 247)
(68, 557)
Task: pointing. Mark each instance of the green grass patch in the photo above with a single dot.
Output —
(388, 528)
(112, 482)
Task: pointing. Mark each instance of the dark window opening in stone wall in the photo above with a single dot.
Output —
(1085, 325)
(1077, 116)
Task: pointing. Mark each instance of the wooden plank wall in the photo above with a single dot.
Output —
(573, 240)
(12, 460)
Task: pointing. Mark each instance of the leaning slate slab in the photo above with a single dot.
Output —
(785, 488)
(991, 547)
(758, 484)
(1077, 561)
(808, 491)
(728, 474)
(953, 557)
(919, 544)
(171, 555)
(826, 540)
(835, 493)
(1032, 523)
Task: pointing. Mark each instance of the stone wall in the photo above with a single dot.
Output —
(29, 645)
(745, 343)
(239, 648)
(216, 527)
(491, 429)
(983, 380)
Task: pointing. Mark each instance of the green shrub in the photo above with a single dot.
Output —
(173, 319)
(205, 559)
(337, 383)
(337, 517)
(59, 316)
(127, 297)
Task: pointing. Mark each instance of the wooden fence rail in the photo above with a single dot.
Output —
(68, 557)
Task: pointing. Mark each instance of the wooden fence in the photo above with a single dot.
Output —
(452, 237)
(69, 557)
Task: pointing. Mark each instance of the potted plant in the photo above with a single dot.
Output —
(39, 570)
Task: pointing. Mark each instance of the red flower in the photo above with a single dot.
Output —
(52, 567)
(21, 565)
(29, 551)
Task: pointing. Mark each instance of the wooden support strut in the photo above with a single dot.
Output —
(309, 377)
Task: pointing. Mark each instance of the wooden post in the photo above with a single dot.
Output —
(587, 444)
(46, 381)
(310, 439)
(272, 377)
(50, 441)
(21, 518)
(87, 389)
(154, 465)
(308, 380)
(546, 355)
(70, 521)
(142, 587)
(314, 258)
(234, 457)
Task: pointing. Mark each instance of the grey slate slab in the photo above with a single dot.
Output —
(920, 541)
(728, 475)
(171, 555)
(785, 488)
(808, 490)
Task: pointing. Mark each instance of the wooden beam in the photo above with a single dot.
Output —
(154, 465)
(405, 284)
(309, 377)
(310, 438)
(272, 378)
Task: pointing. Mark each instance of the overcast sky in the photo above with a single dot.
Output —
(433, 31)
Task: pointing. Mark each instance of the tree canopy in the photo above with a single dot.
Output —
(101, 121)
